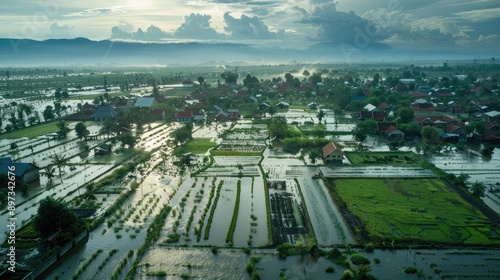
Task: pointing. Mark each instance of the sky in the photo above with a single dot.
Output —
(468, 25)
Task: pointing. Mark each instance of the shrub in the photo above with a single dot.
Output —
(330, 269)
(411, 270)
(369, 247)
(358, 259)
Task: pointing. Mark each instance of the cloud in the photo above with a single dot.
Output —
(407, 27)
(153, 33)
(336, 26)
(247, 28)
(480, 15)
(60, 31)
(97, 11)
(197, 26)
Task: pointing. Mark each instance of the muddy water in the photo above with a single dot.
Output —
(230, 264)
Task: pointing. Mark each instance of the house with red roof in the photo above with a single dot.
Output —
(184, 116)
(332, 153)
(187, 83)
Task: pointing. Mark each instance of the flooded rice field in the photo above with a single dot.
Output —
(177, 263)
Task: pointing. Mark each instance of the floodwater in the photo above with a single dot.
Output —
(231, 264)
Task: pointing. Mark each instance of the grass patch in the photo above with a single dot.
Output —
(408, 159)
(411, 210)
(195, 146)
(32, 131)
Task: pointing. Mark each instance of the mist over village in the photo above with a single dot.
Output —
(216, 139)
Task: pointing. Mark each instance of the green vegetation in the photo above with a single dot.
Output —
(105, 261)
(411, 210)
(32, 131)
(212, 211)
(55, 216)
(358, 259)
(153, 233)
(383, 158)
(232, 227)
(251, 267)
(82, 268)
(195, 146)
(202, 218)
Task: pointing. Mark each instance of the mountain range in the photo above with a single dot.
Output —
(82, 51)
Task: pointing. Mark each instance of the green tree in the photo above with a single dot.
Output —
(59, 160)
(108, 127)
(49, 172)
(127, 139)
(201, 80)
(183, 134)
(376, 80)
(315, 78)
(90, 194)
(320, 115)
(48, 113)
(306, 73)
(272, 110)
(319, 131)
(487, 150)
(411, 129)
(314, 154)
(430, 134)
(406, 115)
(229, 76)
(53, 216)
(478, 188)
(81, 130)
(363, 129)
(63, 127)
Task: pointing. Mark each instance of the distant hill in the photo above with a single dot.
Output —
(82, 51)
(87, 52)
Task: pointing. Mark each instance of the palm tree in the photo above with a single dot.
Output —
(63, 127)
(59, 160)
(49, 172)
(90, 191)
(478, 188)
(320, 115)
(272, 110)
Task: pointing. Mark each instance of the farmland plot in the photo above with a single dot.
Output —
(421, 210)
(251, 227)
(377, 172)
(327, 222)
(222, 214)
(288, 214)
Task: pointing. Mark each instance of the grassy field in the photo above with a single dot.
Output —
(178, 92)
(32, 131)
(421, 210)
(195, 146)
(383, 158)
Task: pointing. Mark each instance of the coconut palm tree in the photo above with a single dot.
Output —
(320, 115)
(90, 191)
(59, 161)
(63, 127)
(49, 172)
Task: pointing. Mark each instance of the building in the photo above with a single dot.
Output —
(25, 172)
(144, 102)
(332, 153)
(103, 149)
(184, 116)
(103, 113)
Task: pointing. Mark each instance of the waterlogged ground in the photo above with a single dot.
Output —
(231, 264)
(486, 170)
